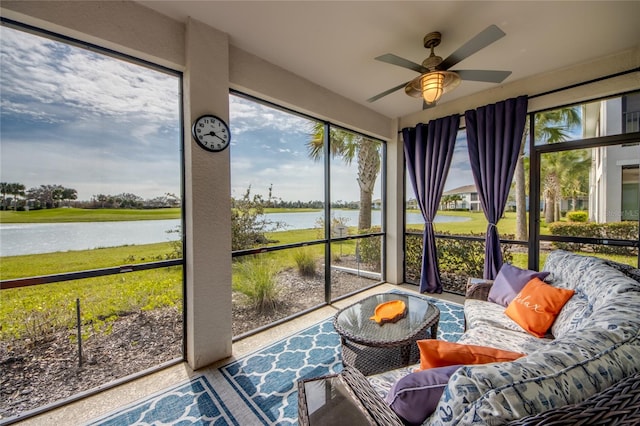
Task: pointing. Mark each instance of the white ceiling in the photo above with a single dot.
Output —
(334, 43)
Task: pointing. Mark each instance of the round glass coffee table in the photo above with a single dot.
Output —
(373, 348)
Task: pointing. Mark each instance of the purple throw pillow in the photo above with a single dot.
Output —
(415, 396)
(510, 281)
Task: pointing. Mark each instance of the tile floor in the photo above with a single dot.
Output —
(79, 412)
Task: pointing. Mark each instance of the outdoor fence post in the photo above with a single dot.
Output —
(79, 333)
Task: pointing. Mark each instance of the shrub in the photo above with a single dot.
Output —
(370, 248)
(613, 230)
(455, 256)
(577, 216)
(256, 279)
(305, 261)
(249, 222)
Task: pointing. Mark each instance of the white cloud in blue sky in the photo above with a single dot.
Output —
(89, 121)
(269, 147)
(104, 125)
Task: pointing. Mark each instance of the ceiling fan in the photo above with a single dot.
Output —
(435, 78)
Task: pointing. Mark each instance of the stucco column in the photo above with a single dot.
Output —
(207, 200)
(395, 207)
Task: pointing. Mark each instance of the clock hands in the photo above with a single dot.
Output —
(212, 133)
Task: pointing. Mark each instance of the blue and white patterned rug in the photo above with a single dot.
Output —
(259, 388)
(192, 403)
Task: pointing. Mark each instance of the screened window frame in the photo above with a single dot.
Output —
(327, 240)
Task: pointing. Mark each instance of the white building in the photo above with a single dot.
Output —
(614, 193)
(469, 198)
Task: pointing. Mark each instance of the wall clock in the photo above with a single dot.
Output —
(211, 133)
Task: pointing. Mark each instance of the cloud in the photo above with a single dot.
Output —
(270, 147)
(92, 122)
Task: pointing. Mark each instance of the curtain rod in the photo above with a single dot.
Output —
(584, 83)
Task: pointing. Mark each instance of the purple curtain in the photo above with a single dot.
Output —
(494, 135)
(428, 149)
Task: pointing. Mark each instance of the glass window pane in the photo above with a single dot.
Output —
(355, 182)
(607, 117)
(86, 169)
(592, 193)
(40, 329)
(277, 176)
(355, 265)
(271, 286)
(91, 179)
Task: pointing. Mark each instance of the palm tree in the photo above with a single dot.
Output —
(348, 146)
(565, 174)
(4, 190)
(445, 200)
(17, 190)
(455, 198)
(552, 127)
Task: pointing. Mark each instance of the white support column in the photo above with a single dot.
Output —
(207, 200)
(395, 208)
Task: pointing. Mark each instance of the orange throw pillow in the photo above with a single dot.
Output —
(440, 353)
(537, 305)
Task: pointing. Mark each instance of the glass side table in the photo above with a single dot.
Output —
(328, 400)
(373, 348)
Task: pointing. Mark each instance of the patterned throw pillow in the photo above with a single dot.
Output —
(415, 396)
(537, 305)
(510, 281)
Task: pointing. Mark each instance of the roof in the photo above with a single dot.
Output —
(467, 189)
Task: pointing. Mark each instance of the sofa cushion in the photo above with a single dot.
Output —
(509, 340)
(567, 371)
(509, 281)
(568, 269)
(481, 313)
(440, 353)
(572, 315)
(415, 396)
(537, 305)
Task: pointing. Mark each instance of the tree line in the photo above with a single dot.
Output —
(15, 196)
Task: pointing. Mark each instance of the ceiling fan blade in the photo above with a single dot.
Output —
(487, 36)
(386, 92)
(392, 59)
(483, 75)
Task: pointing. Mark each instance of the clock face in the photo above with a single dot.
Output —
(211, 133)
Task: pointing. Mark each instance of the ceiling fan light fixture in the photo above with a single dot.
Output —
(434, 84)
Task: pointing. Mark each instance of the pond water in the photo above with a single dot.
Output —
(33, 238)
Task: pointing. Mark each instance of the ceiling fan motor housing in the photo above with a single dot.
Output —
(430, 41)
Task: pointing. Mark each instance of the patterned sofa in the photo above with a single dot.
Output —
(593, 346)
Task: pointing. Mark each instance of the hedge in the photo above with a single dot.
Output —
(612, 230)
(455, 256)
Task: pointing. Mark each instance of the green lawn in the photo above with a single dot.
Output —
(33, 265)
(87, 215)
(477, 223)
(31, 311)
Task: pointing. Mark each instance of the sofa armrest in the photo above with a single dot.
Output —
(478, 288)
(619, 404)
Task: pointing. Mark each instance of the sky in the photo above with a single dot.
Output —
(102, 125)
(90, 122)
